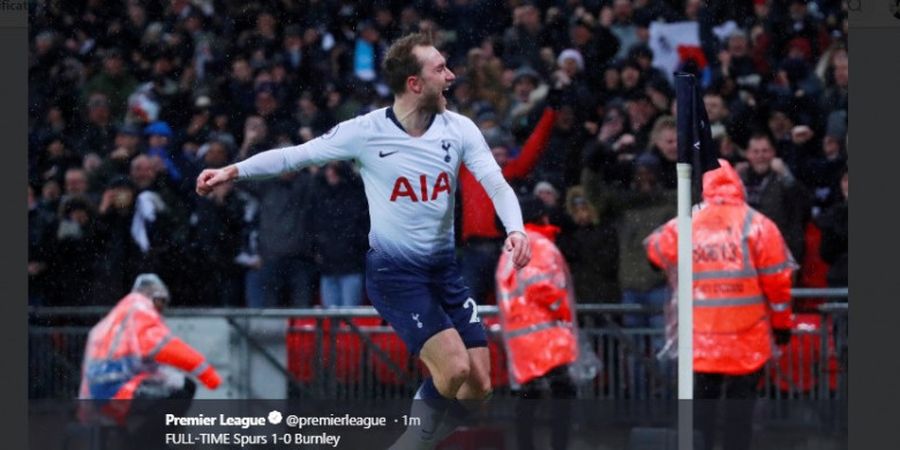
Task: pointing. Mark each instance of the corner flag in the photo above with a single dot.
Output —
(695, 144)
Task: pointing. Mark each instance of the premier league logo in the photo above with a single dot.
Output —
(446, 146)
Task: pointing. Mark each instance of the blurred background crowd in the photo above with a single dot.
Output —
(130, 100)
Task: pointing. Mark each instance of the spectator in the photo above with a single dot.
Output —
(636, 210)
(823, 173)
(717, 112)
(485, 71)
(527, 91)
(641, 116)
(462, 98)
(240, 87)
(341, 105)
(256, 137)
(120, 257)
(50, 196)
(523, 41)
(55, 160)
(41, 235)
(664, 146)
(76, 185)
(53, 123)
(661, 94)
(621, 24)
(773, 191)
(199, 126)
(559, 165)
(595, 42)
(837, 81)
(571, 77)
(643, 56)
(592, 249)
(288, 273)
(736, 64)
(339, 231)
(263, 36)
(73, 254)
(158, 136)
(835, 225)
(611, 88)
(114, 82)
(126, 146)
(313, 120)
(217, 235)
(368, 51)
(97, 134)
(160, 223)
(267, 107)
(549, 197)
(633, 79)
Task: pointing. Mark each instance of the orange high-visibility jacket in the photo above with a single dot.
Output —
(537, 310)
(126, 348)
(742, 276)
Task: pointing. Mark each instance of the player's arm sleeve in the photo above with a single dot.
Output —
(159, 344)
(505, 202)
(479, 160)
(774, 266)
(344, 141)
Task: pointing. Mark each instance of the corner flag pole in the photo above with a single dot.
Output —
(685, 285)
(696, 155)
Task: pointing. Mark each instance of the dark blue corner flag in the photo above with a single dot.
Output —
(695, 144)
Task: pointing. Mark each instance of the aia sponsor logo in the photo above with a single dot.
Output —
(423, 191)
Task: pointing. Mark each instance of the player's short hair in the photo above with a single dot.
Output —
(401, 63)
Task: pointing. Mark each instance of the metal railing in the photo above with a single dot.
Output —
(350, 354)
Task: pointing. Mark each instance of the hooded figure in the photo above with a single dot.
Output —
(126, 350)
(741, 289)
(742, 276)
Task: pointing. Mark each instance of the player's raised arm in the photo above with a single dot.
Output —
(481, 163)
(343, 141)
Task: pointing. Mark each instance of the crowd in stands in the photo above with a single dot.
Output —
(129, 100)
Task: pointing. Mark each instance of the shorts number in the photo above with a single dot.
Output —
(470, 303)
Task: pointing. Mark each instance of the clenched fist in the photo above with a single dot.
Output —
(211, 178)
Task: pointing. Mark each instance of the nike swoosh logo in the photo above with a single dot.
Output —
(383, 154)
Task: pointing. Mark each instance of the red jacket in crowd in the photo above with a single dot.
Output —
(477, 210)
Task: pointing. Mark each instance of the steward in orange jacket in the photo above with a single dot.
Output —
(537, 315)
(126, 348)
(742, 291)
(537, 308)
(742, 277)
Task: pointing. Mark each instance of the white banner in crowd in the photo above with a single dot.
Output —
(665, 38)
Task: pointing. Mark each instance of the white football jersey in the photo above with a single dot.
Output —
(410, 182)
